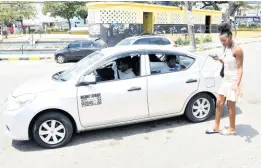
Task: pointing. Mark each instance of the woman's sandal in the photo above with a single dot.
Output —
(226, 132)
(211, 131)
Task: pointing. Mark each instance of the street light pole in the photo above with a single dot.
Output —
(258, 6)
(1, 31)
(190, 24)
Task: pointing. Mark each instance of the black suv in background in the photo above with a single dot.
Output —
(77, 50)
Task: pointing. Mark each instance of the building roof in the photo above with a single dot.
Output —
(141, 6)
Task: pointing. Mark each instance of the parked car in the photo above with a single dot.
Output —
(88, 95)
(147, 40)
(77, 50)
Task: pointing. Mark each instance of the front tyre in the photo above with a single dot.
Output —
(52, 130)
(200, 108)
(60, 59)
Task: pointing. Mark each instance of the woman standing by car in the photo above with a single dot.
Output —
(232, 61)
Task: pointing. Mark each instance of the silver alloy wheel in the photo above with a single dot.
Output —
(60, 59)
(52, 132)
(201, 108)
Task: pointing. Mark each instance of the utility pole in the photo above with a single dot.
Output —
(1, 31)
(258, 7)
(190, 25)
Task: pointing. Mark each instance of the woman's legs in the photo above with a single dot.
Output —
(232, 115)
(220, 103)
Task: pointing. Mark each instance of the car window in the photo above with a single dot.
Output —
(142, 41)
(126, 67)
(165, 41)
(74, 45)
(156, 41)
(125, 42)
(89, 44)
(86, 44)
(161, 63)
(186, 61)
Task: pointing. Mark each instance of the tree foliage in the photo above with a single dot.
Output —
(67, 10)
(16, 12)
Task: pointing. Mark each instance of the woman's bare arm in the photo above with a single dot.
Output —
(239, 59)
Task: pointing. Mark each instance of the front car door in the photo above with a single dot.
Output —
(114, 101)
(168, 91)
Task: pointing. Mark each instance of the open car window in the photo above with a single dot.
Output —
(112, 70)
(161, 63)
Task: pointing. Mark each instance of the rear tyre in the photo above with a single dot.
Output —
(52, 130)
(200, 108)
(60, 59)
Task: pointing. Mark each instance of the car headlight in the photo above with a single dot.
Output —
(14, 103)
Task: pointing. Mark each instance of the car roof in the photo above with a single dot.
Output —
(120, 49)
(88, 39)
(146, 36)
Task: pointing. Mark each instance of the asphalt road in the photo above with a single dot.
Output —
(160, 144)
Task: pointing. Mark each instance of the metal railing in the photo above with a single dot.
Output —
(31, 38)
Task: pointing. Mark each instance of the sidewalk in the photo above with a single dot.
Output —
(207, 46)
(210, 46)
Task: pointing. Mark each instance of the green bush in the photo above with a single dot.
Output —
(179, 41)
(56, 29)
(197, 40)
(186, 42)
(207, 39)
(242, 26)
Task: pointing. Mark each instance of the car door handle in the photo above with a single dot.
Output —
(134, 89)
(191, 80)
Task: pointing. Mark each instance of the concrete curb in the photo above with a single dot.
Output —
(213, 47)
(36, 58)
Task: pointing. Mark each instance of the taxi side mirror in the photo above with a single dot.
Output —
(87, 80)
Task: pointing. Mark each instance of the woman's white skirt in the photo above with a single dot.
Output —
(226, 90)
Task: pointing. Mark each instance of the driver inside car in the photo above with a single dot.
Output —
(122, 69)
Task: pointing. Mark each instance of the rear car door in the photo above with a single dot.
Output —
(168, 91)
(75, 50)
(88, 47)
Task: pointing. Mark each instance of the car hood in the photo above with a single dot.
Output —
(35, 86)
(60, 50)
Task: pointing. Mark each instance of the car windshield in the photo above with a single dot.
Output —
(128, 41)
(81, 66)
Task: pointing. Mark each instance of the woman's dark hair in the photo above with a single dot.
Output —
(225, 28)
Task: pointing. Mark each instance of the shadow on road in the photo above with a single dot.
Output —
(118, 133)
(247, 132)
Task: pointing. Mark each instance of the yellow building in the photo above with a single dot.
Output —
(114, 21)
